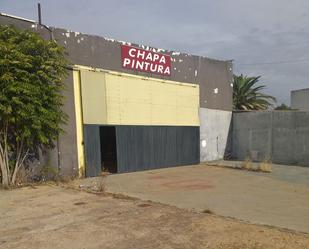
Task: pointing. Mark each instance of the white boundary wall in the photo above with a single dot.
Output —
(214, 131)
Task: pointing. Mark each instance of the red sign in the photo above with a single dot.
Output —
(146, 61)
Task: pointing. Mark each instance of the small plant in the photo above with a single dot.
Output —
(101, 184)
(207, 211)
(96, 184)
(247, 164)
(24, 175)
(265, 166)
(49, 173)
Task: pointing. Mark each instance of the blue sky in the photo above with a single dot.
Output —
(267, 38)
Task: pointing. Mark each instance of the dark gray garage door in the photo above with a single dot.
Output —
(144, 147)
(151, 147)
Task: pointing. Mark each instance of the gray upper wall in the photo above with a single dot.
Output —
(214, 77)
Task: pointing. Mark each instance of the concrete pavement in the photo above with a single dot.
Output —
(288, 173)
(250, 196)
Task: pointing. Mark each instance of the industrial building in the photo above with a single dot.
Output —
(300, 99)
(133, 107)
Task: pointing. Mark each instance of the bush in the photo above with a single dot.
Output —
(31, 100)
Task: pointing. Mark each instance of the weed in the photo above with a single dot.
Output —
(144, 205)
(101, 184)
(247, 164)
(24, 175)
(265, 166)
(207, 211)
(48, 172)
(79, 203)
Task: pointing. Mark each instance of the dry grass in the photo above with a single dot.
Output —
(22, 176)
(247, 164)
(92, 185)
(207, 211)
(102, 184)
(265, 166)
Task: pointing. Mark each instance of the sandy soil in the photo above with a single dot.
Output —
(58, 217)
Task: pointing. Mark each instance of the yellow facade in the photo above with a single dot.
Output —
(79, 123)
(119, 99)
(93, 97)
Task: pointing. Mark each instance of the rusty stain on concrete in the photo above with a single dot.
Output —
(193, 184)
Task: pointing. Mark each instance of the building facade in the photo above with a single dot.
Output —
(300, 99)
(133, 107)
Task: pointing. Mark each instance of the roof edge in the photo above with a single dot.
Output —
(17, 17)
(297, 90)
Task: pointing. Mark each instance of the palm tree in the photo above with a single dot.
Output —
(247, 96)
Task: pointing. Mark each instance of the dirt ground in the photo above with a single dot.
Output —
(59, 217)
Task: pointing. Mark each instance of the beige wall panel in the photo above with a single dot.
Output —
(187, 97)
(164, 94)
(136, 113)
(113, 114)
(187, 116)
(134, 90)
(93, 97)
(136, 101)
(109, 98)
(164, 114)
(128, 100)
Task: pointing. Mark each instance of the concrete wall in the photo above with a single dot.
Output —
(67, 141)
(63, 156)
(300, 99)
(214, 131)
(282, 136)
